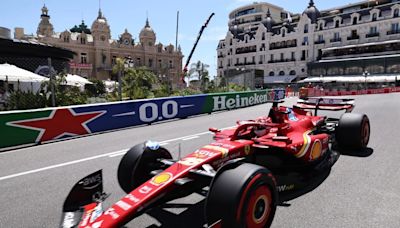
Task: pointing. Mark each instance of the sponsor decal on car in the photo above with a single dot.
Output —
(97, 211)
(224, 151)
(112, 213)
(91, 182)
(225, 159)
(283, 188)
(132, 198)
(145, 189)
(161, 178)
(316, 150)
(306, 145)
(203, 153)
(123, 205)
(68, 220)
(191, 161)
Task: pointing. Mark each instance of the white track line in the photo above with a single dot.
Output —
(111, 154)
(190, 138)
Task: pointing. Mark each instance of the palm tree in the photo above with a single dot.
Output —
(200, 71)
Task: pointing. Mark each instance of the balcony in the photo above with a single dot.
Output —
(334, 40)
(392, 32)
(221, 56)
(250, 63)
(319, 42)
(356, 37)
(376, 34)
(260, 62)
(282, 60)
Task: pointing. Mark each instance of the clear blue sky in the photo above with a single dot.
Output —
(130, 14)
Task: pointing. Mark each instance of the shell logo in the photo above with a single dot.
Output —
(161, 178)
(316, 150)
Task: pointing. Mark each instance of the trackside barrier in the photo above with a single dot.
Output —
(312, 92)
(42, 125)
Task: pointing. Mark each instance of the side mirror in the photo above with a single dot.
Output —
(215, 130)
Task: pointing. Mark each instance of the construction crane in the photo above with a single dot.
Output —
(194, 47)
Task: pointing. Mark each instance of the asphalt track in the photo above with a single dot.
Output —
(359, 191)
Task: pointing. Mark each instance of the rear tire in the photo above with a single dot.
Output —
(242, 196)
(353, 131)
(136, 165)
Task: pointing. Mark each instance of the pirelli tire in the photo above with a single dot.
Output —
(244, 195)
(136, 165)
(353, 131)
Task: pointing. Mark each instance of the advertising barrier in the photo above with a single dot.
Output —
(312, 92)
(42, 125)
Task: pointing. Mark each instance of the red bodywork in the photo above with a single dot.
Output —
(289, 129)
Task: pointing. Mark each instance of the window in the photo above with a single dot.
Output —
(138, 62)
(83, 40)
(305, 40)
(396, 13)
(272, 57)
(263, 36)
(282, 56)
(320, 38)
(230, 42)
(66, 39)
(321, 26)
(114, 59)
(354, 20)
(237, 60)
(337, 24)
(271, 73)
(373, 30)
(84, 58)
(292, 72)
(283, 32)
(374, 16)
(172, 66)
(306, 28)
(159, 63)
(293, 55)
(253, 59)
(150, 62)
(282, 73)
(395, 27)
(245, 60)
(303, 55)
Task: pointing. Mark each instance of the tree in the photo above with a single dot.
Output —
(200, 71)
(138, 82)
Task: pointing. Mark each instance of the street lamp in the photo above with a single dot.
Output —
(128, 63)
(365, 74)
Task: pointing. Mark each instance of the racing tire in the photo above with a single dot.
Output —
(353, 131)
(242, 196)
(136, 165)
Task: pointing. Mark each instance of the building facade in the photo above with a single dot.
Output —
(286, 47)
(96, 51)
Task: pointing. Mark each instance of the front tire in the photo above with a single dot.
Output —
(353, 131)
(243, 196)
(136, 165)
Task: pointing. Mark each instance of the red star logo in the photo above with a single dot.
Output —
(61, 122)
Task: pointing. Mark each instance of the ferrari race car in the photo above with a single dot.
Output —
(247, 171)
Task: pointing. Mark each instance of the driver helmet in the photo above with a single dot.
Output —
(260, 131)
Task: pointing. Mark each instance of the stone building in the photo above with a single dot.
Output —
(286, 47)
(96, 51)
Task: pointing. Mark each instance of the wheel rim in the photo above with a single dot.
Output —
(365, 133)
(259, 207)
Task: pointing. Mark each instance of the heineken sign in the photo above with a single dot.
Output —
(35, 126)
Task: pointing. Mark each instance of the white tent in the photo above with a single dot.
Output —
(354, 79)
(76, 80)
(21, 79)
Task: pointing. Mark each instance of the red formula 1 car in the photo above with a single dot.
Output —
(249, 169)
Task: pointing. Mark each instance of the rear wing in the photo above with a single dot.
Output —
(276, 96)
(327, 104)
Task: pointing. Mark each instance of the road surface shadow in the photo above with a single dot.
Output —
(363, 153)
(193, 216)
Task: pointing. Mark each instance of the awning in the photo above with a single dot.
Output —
(361, 45)
(13, 73)
(279, 79)
(354, 79)
(359, 58)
